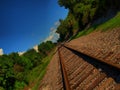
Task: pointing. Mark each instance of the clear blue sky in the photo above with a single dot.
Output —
(25, 23)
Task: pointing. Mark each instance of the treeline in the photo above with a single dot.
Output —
(14, 68)
(82, 13)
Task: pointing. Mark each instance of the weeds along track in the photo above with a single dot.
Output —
(83, 72)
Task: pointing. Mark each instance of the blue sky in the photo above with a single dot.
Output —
(25, 23)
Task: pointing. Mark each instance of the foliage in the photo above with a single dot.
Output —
(33, 57)
(19, 85)
(14, 69)
(67, 27)
(7, 79)
(82, 13)
(38, 72)
(45, 47)
(108, 25)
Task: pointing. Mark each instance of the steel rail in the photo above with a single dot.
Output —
(64, 73)
(103, 61)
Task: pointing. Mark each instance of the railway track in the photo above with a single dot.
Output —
(83, 72)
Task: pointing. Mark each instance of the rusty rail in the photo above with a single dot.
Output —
(103, 61)
(64, 73)
(65, 77)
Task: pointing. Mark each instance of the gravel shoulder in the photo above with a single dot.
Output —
(103, 45)
(52, 79)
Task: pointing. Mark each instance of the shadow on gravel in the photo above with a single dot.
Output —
(103, 67)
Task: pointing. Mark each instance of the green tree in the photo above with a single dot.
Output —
(7, 78)
(33, 57)
(45, 47)
(82, 13)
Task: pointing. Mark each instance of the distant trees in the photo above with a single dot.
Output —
(45, 48)
(14, 68)
(33, 57)
(81, 13)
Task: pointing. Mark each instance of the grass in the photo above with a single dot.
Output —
(112, 23)
(108, 25)
(36, 75)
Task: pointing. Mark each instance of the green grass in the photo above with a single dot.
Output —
(2, 88)
(36, 75)
(112, 23)
(108, 25)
